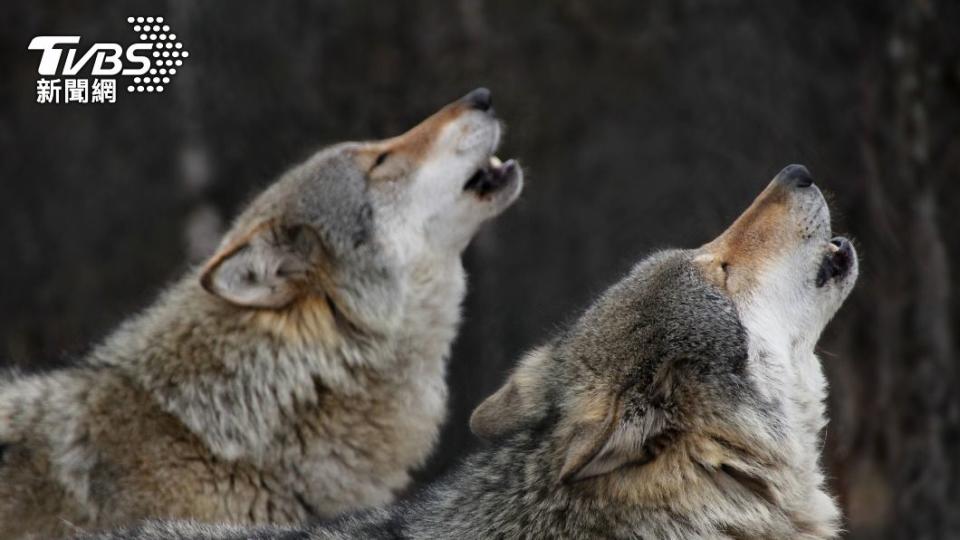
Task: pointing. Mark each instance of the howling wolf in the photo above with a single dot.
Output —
(298, 373)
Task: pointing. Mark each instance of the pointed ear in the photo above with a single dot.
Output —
(265, 268)
(610, 431)
(601, 447)
(519, 402)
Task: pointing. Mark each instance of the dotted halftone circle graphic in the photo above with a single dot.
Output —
(166, 55)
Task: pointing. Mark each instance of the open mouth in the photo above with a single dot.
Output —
(837, 262)
(491, 177)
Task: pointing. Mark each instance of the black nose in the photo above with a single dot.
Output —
(479, 99)
(795, 175)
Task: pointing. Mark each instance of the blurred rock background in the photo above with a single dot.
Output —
(642, 124)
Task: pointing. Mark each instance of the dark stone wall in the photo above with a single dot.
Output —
(641, 125)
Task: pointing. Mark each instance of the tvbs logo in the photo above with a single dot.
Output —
(151, 64)
(106, 57)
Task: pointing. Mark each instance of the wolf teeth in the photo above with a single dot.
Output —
(495, 162)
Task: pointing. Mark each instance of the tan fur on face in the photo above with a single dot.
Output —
(763, 231)
(409, 149)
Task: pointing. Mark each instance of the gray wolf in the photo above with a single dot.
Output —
(298, 373)
(687, 402)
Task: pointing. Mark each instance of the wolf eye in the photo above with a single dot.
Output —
(380, 159)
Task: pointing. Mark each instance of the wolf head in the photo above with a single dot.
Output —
(357, 211)
(696, 371)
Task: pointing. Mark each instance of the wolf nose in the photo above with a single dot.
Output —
(795, 176)
(479, 99)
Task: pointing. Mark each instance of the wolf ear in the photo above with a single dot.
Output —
(610, 431)
(266, 268)
(519, 402)
(598, 448)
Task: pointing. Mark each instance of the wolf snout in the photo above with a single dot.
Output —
(480, 99)
(796, 176)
